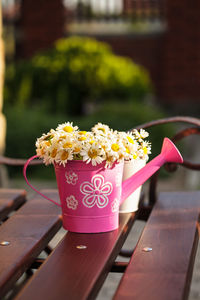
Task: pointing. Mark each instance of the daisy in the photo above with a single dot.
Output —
(46, 137)
(101, 129)
(67, 127)
(109, 161)
(76, 149)
(116, 150)
(92, 153)
(82, 136)
(63, 156)
(145, 150)
(140, 135)
(53, 151)
(77, 146)
(41, 150)
(51, 154)
(143, 133)
(131, 150)
(131, 138)
(66, 142)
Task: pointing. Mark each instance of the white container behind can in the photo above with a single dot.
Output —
(132, 202)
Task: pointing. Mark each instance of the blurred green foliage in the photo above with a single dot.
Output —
(76, 71)
(57, 85)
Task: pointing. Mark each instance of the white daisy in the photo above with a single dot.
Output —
(52, 152)
(46, 137)
(109, 161)
(66, 142)
(143, 134)
(140, 135)
(67, 127)
(145, 150)
(63, 156)
(92, 153)
(131, 150)
(116, 150)
(101, 129)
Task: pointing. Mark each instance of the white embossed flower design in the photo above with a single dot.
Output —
(71, 177)
(72, 202)
(96, 192)
(115, 205)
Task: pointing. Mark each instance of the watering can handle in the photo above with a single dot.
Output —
(24, 173)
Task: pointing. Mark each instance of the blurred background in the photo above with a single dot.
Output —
(119, 62)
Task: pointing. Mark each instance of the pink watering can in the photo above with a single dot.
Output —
(90, 196)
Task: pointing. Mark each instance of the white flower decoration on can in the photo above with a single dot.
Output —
(115, 205)
(71, 177)
(96, 192)
(72, 203)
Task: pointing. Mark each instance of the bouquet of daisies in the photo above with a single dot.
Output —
(101, 144)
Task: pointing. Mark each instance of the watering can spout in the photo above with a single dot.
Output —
(169, 153)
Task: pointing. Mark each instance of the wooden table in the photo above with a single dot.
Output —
(160, 267)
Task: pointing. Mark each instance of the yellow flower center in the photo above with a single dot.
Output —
(103, 147)
(77, 149)
(64, 155)
(127, 151)
(102, 129)
(91, 142)
(42, 151)
(67, 145)
(47, 143)
(121, 156)
(135, 156)
(130, 140)
(82, 132)
(82, 138)
(92, 153)
(53, 153)
(68, 129)
(145, 150)
(115, 147)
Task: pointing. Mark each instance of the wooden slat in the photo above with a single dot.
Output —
(29, 230)
(71, 273)
(165, 272)
(10, 200)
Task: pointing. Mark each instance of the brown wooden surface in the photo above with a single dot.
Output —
(28, 231)
(10, 200)
(165, 272)
(71, 273)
